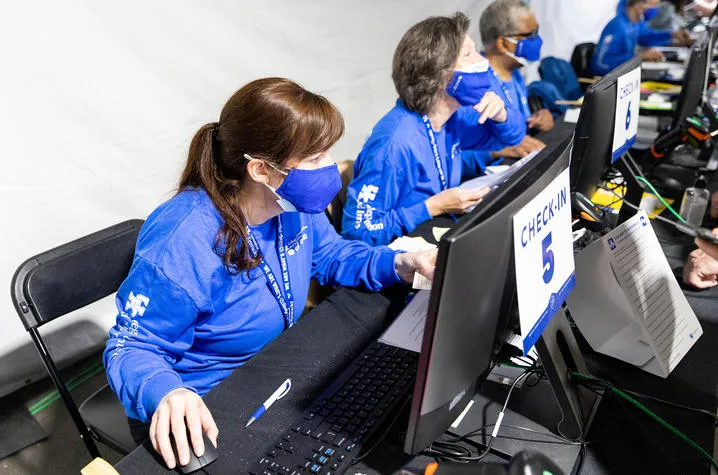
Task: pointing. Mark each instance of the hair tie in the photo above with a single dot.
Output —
(215, 129)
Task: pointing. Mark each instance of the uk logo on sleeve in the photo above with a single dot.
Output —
(367, 193)
(136, 304)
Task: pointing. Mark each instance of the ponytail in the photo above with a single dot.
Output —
(203, 171)
(273, 119)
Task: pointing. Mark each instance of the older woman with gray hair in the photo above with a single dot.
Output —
(410, 167)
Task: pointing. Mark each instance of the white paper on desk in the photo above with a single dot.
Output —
(411, 244)
(571, 115)
(628, 302)
(407, 331)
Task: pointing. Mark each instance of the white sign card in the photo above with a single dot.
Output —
(543, 255)
(627, 302)
(625, 126)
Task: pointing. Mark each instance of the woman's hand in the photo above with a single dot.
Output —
(455, 200)
(175, 408)
(701, 270)
(491, 107)
(408, 263)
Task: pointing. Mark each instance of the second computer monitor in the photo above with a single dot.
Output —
(593, 138)
(694, 80)
(471, 299)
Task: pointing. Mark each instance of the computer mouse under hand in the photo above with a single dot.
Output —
(195, 463)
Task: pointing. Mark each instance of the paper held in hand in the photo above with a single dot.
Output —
(627, 302)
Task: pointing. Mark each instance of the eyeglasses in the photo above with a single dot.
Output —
(530, 34)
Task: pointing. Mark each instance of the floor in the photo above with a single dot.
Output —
(62, 451)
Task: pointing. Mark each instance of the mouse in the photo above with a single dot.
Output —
(195, 463)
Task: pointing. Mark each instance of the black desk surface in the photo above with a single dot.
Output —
(312, 354)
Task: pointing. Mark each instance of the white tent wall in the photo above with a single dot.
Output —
(99, 101)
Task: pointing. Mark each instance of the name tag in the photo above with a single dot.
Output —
(543, 256)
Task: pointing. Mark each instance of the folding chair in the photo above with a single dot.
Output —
(66, 278)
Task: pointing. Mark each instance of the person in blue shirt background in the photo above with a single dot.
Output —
(223, 267)
(628, 30)
(509, 33)
(409, 168)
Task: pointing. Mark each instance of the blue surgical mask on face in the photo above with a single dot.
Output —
(307, 191)
(528, 48)
(649, 14)
(470, 84)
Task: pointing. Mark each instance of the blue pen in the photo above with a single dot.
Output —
(281, 391)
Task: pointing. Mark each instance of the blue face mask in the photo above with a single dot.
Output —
(468, 86)
(528, 48)
(307, 191)
(651, 13)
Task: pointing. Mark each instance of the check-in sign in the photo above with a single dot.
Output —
(543, 256)
(628, 97)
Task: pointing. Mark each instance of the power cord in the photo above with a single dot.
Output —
(706, 412)
(605, 386)
(448, 451)
(655, 216)
(640, 178)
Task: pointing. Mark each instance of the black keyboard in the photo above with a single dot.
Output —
(331, 433)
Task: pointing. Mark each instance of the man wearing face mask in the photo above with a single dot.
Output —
(509, 33)
(410, 167)
(628, 30)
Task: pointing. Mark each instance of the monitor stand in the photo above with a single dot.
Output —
(555, 407)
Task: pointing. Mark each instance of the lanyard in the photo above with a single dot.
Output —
(507, 94)
(435, 149)
(286, 305)
(502, 84)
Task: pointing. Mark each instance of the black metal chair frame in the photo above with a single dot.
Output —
(66, 278)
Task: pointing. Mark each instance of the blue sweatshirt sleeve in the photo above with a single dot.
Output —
(155, 326)
(379, 204)
(350, 263)
(491, 135)
(613, 49)
(648, 36)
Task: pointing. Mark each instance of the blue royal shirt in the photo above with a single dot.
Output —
(619, 40)
(396, 172)
(185, 321)
(514, 95)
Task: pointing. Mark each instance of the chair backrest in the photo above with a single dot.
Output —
(581, 59)
(66, 278)
(335, 210)
(560, 73)
(73, 275)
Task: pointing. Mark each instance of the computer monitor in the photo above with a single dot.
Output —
(471, 300)
(593, 139)
(695, 80)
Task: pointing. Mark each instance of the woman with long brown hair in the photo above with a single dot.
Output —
(224, 266)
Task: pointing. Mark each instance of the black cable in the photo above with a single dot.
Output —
(674, 404)
(437, 451)
(660, 218)
(559, 439)
(381, 438)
